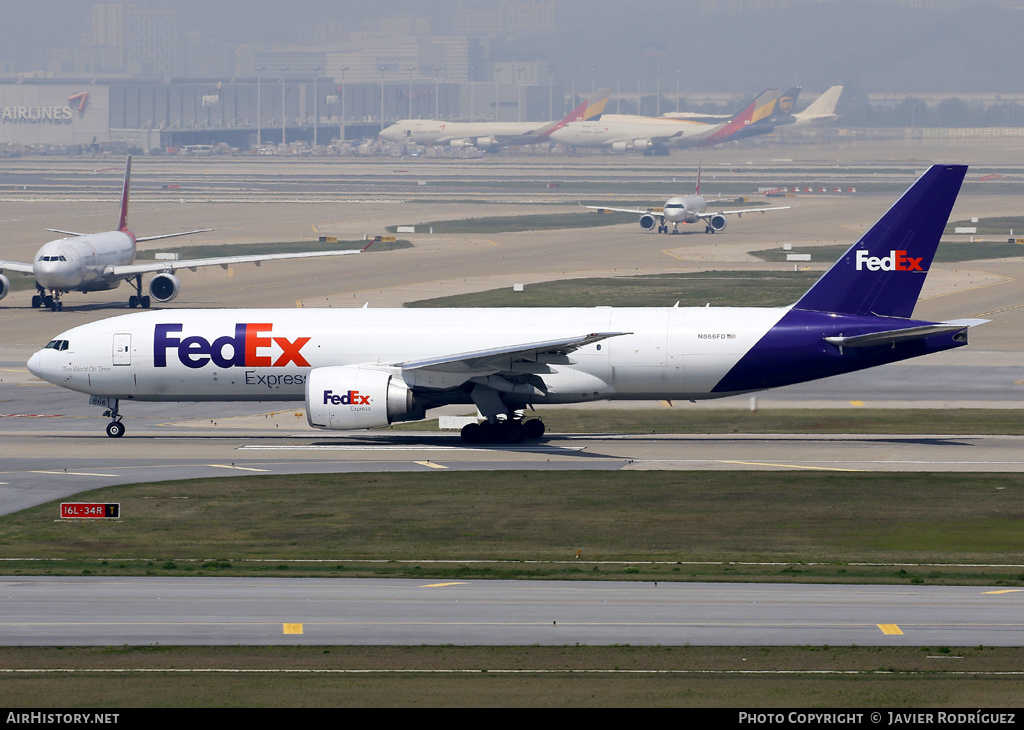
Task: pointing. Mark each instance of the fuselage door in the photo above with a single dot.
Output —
(123, 349)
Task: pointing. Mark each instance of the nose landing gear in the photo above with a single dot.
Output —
(51, 301)
(115, 429)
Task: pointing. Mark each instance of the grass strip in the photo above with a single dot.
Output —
(504, 676)
(943, 528)
(725, 288)
(518, 223)
(685, 418)
(949, 252)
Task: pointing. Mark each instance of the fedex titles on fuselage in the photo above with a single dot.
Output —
(252, 346)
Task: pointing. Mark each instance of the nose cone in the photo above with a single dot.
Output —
(35, 364)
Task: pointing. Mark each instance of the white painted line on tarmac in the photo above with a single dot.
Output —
(76, 474)
(356, 447)
(232, 466)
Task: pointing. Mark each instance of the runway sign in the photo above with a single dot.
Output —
(88, 510)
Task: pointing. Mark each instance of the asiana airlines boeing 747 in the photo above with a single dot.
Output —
(367, 368)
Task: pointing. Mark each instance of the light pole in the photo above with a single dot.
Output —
(437, 92)
(411, 69)
(657, 93)
(343, 104)
(381, 69)
(316, 114)
(519, 93)
(284, 115)
(259, 108)
(551, 93)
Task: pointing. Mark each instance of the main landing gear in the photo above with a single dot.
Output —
(137, 299)
(513, 431)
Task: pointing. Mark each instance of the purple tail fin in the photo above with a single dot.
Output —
(883, 272)
(122, 222)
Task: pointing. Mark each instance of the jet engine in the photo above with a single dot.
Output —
(636, 144)
(346, 397)
(647, 221)
(5, 286)
(717, 222)
(458, 144)
(486, 143)
(164, 287)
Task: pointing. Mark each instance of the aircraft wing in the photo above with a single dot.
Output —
(160, 266)
(171, 235)
(608, 209)
(15, 266)
(741, 212)
(137, 240)
(481, 363)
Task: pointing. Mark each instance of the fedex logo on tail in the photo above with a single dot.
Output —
(252, 346)
(895, 261)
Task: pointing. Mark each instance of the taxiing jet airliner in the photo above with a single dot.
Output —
(682, 209)
(367, 368)
(656, 135)
(88, 262)
(490, 135)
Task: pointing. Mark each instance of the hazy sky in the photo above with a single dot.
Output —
(880, 46)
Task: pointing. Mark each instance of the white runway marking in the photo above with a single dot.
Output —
(76, 474)
(357, 447)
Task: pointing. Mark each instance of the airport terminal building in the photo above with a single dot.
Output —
(246, 113)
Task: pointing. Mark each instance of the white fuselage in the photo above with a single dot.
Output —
(263, 355)
(684, 208)
(432, 131)
(613, 128)
(83, 263)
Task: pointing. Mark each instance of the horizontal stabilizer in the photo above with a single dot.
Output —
(874, 339)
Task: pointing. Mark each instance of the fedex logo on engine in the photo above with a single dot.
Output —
(895, 261)
(352, 398)
(252, 346)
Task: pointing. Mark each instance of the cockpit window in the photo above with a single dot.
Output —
(56, 345)
(51, 258)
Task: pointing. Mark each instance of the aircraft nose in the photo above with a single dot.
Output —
(35, 364)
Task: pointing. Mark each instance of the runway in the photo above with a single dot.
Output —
(41, 611)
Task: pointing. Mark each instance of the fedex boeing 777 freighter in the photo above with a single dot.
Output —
(367, 368)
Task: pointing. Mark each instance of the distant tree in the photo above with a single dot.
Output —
(954, 112)
(911, 112)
